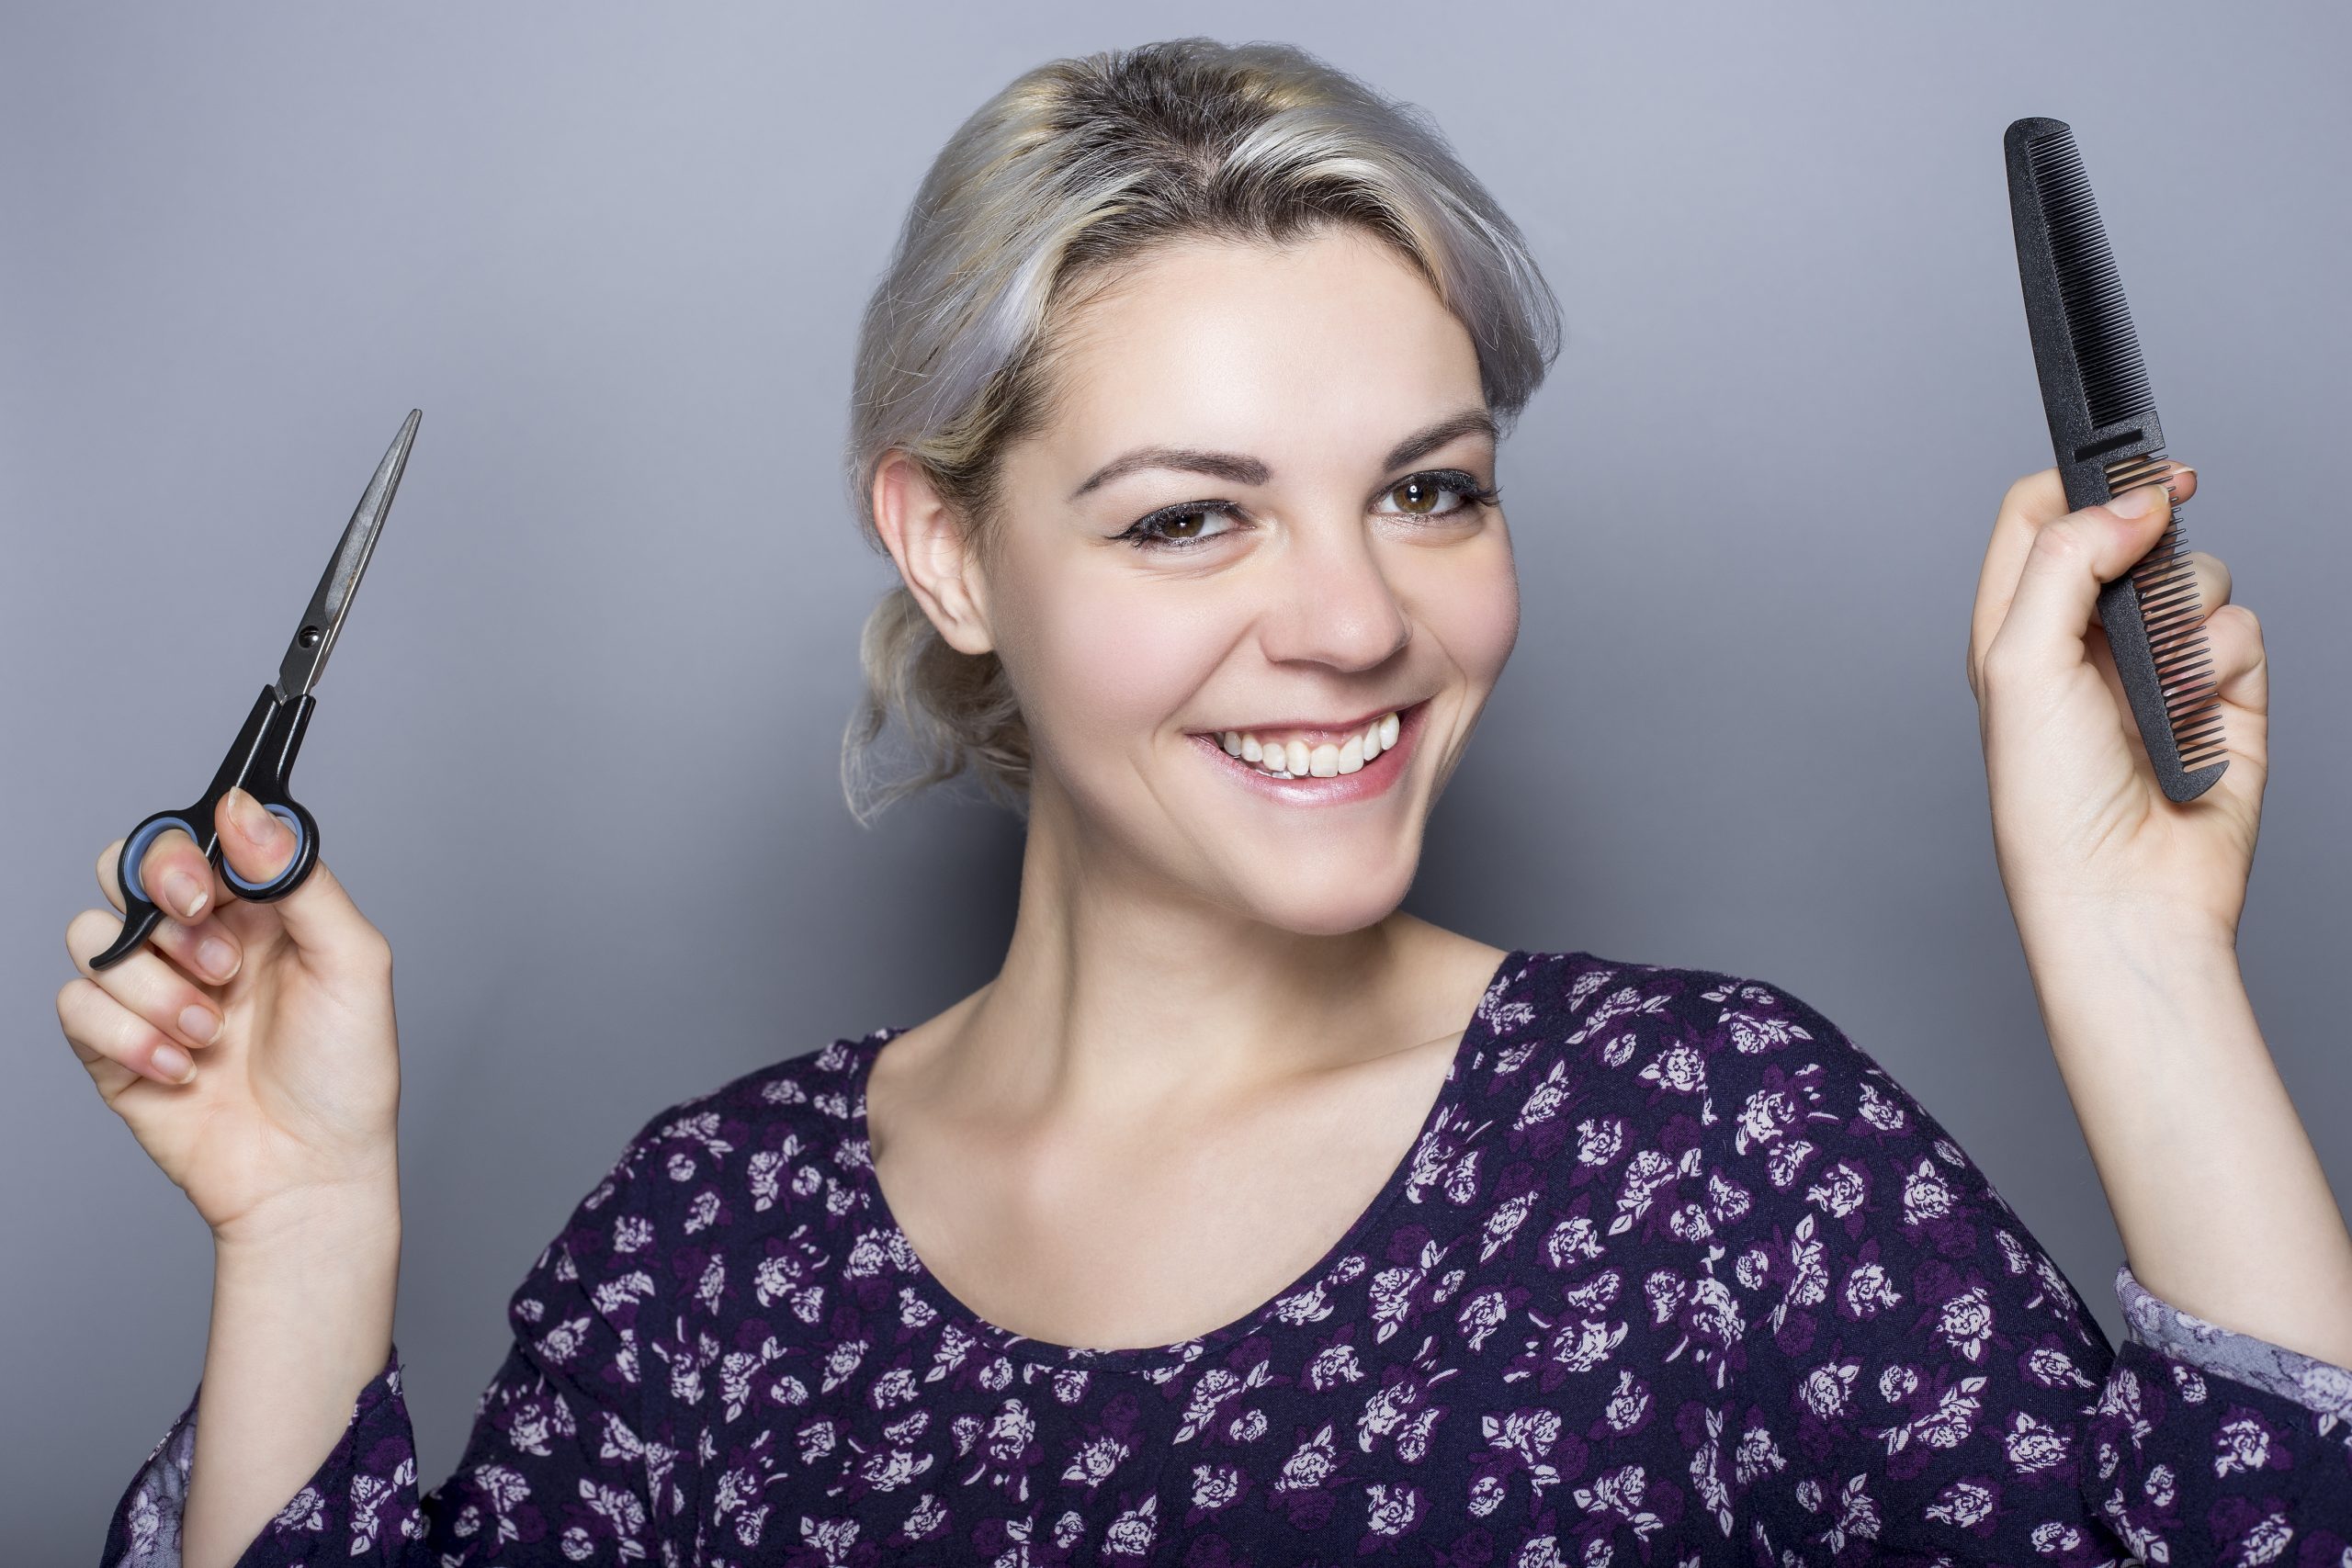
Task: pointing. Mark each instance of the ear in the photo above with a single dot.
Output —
(926, 537)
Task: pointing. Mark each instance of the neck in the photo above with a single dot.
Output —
(1122, 999)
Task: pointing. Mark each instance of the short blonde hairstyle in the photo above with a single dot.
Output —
(1064, 178)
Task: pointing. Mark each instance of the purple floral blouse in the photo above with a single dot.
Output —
(1675, 1273)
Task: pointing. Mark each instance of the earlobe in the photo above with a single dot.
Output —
(926, 538)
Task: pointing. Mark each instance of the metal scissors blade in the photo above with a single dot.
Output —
(306, 655)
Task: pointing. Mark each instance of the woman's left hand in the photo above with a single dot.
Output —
(2080, 829)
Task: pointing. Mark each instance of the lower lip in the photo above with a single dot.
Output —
(1374, 778)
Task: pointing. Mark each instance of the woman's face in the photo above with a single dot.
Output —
(1308, 426)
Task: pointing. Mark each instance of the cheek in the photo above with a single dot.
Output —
(1110, 663)
(1474, 611)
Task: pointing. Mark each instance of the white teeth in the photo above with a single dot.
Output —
(1295, 759)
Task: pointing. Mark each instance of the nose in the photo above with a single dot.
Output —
(1333, 603)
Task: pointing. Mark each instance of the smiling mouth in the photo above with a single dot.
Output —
(1303, 754)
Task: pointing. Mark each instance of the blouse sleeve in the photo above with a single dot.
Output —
(1955, 1396)
(560, 1466)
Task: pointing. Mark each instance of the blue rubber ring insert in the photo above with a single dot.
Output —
(285, 816)
(136, 854)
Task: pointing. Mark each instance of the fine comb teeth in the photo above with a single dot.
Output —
(2104, 433)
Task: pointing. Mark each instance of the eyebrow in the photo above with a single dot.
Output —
(1240, 469)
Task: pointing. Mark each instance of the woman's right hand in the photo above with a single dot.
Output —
(296, 1101)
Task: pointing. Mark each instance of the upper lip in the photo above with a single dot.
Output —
(1318, 729)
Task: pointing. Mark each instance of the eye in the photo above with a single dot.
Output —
(1176, 527)
(1423, 495)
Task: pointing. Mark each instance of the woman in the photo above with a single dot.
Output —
(1243, 1218)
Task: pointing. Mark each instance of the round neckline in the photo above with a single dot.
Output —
(952, 1308)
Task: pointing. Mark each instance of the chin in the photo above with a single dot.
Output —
(1349, 903)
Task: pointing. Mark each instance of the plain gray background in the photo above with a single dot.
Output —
(576, 754)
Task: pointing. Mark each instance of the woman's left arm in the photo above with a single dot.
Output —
(2127, 904)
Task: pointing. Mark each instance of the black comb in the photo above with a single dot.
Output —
(2103, 428)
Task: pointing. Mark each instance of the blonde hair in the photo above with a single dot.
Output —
(1062, 179)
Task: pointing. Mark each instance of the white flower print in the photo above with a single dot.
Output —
(1619, 1491)
(2052, 1368)
(1878, 1111)
(1600, 1140)
(1503, 1222)
(1678, 1068)
(1309, 1463)
(1786, 1161)
(1840, 1190)
(1757, 1457)
(1924, 1196)
(1966, 1321)
(1572, 1241)
(1868, 1292)
(1393, 1508)
(1763, 1119)
(2243, 1444)
(1479, 1317)
(1751, 1035)
(1544, 1100)
(1752, 1269)
(1964, 1504)
(1094, 1462)
(1897, 1383)
(1826, 1388)
(2032, 1446)
(1628, 1403)
(1581, 1346)
(631, 1232)
(1214, 1485)
(2161, 1485)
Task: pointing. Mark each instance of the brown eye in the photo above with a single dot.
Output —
(1418, 495)
(1184, 527)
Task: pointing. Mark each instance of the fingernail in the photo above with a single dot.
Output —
(199, 1023)
(213, 957)
(187, 895)
(2171, 480)
(255, 819)
(2137, 502)
(173, 1064)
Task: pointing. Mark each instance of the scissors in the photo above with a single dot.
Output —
(263, 754)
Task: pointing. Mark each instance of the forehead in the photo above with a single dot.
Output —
(1334, 340)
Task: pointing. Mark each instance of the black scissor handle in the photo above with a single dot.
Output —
(259, 761)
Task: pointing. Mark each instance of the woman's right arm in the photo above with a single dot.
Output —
(283, 1134)
(301, 1324)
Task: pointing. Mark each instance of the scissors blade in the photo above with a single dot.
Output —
(305, 657)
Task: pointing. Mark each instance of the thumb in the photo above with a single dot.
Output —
(318, 914)
(2073, 559)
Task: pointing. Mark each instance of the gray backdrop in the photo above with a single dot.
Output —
(576, 754)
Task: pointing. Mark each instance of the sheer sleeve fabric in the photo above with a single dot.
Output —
(560, 1466)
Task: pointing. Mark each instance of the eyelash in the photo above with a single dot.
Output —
(1454, 481)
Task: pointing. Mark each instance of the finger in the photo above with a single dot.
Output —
(318, 914)
(160, 995)
(205, 948)
(117, 1048)
(2053, 600)
(2031, 504)
(178, 879)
